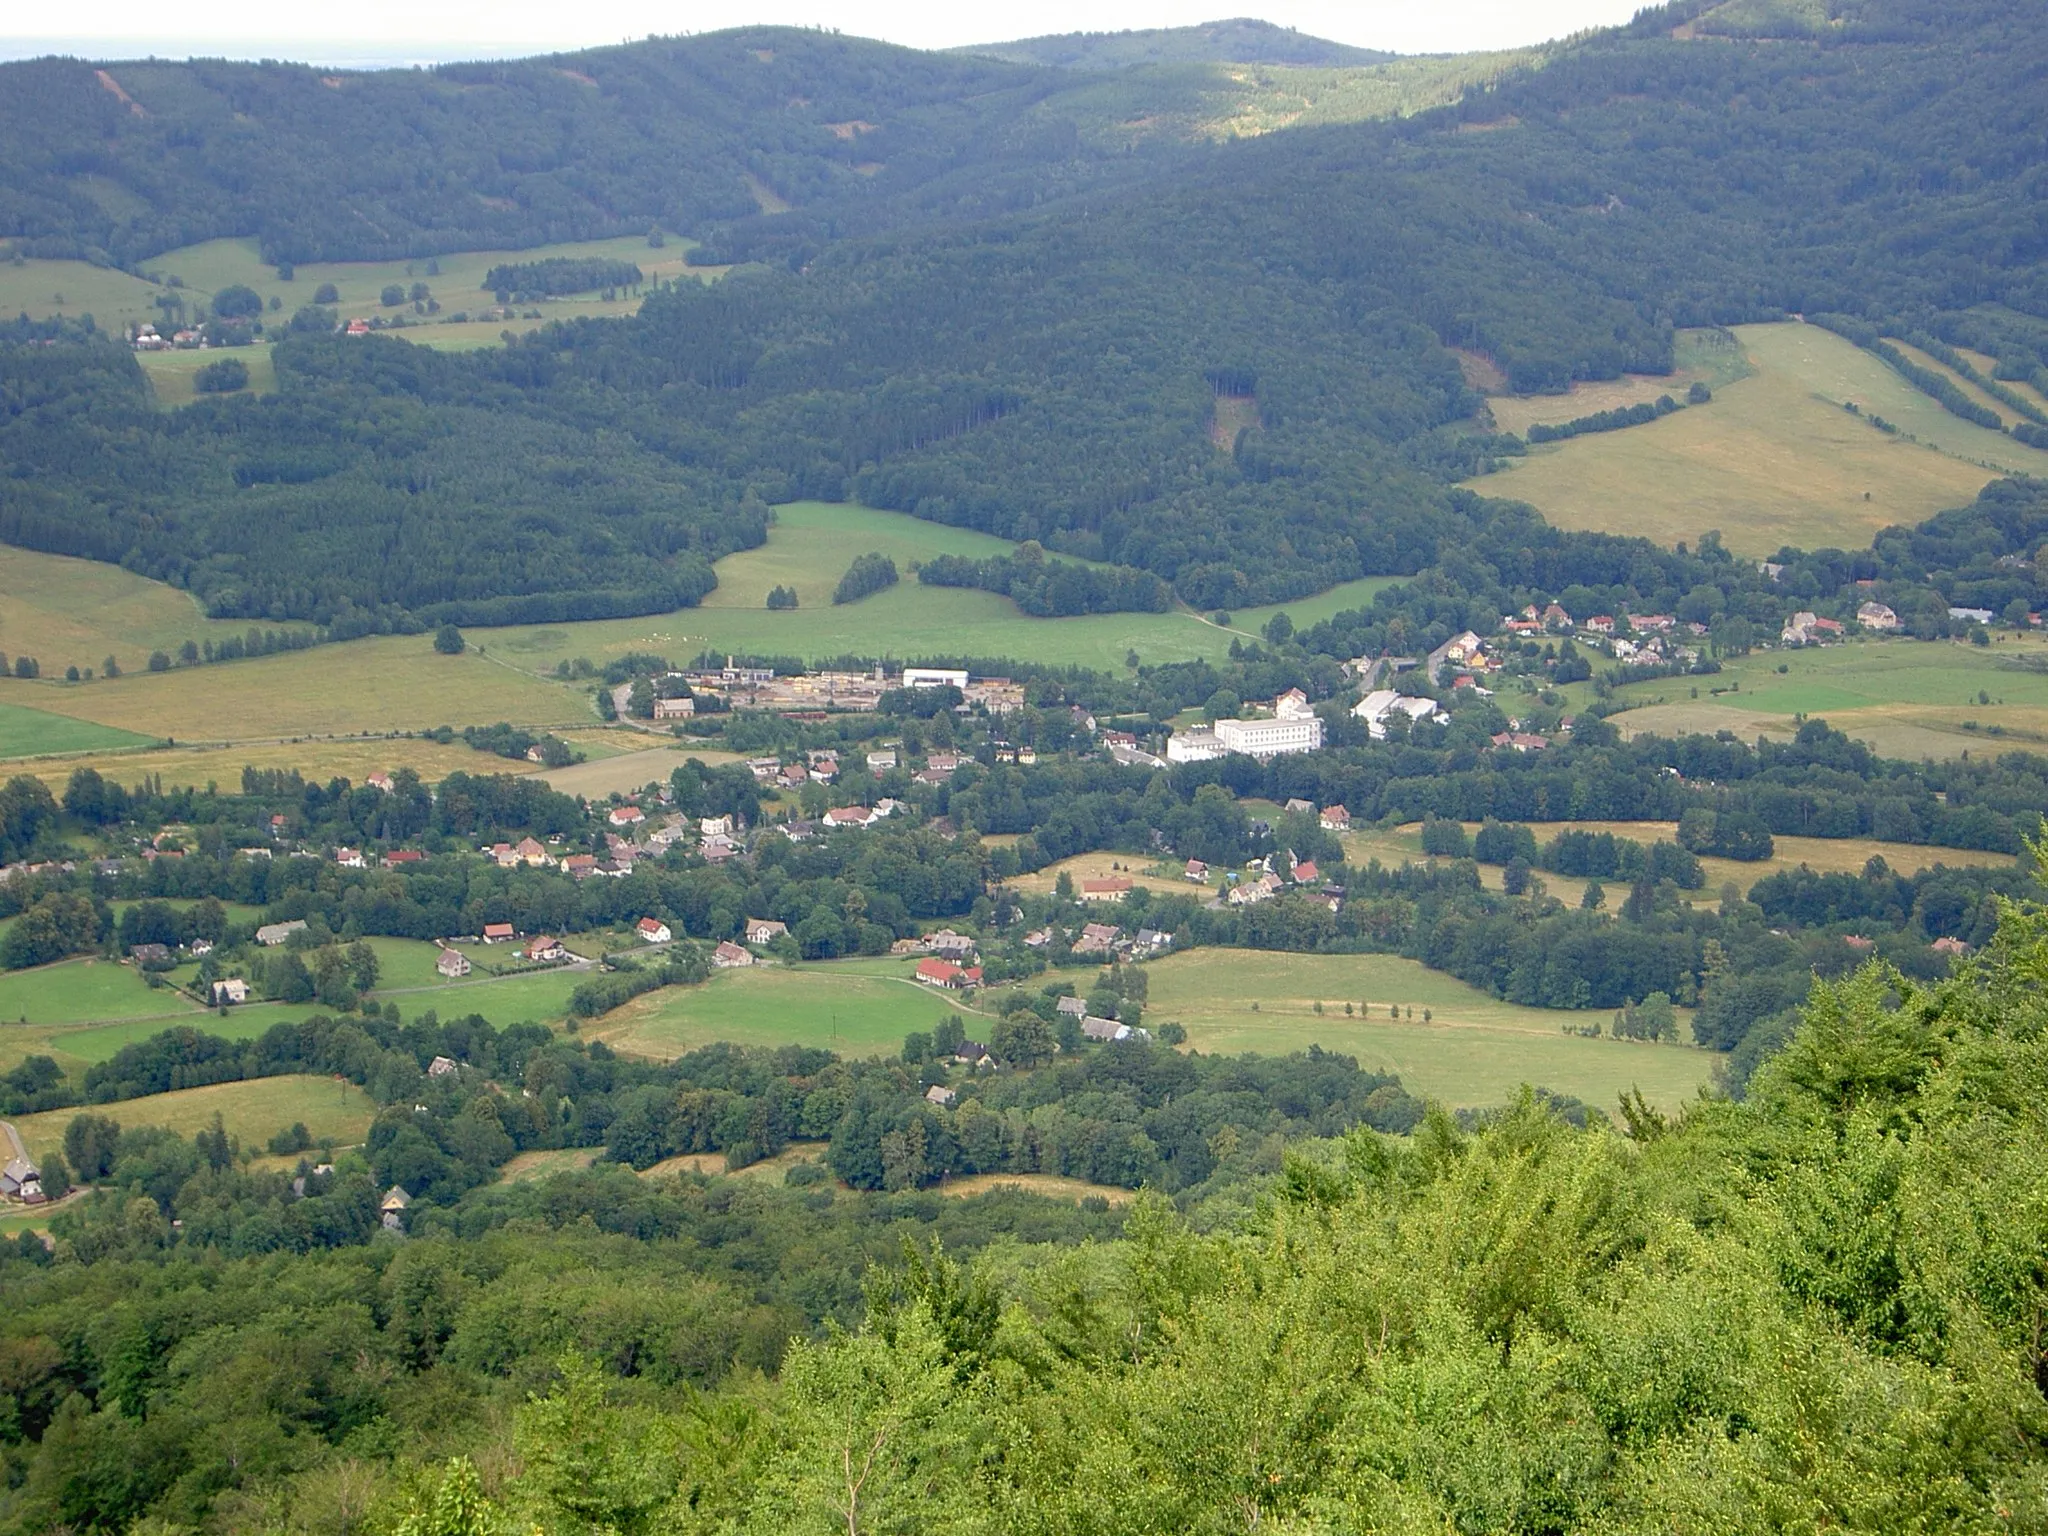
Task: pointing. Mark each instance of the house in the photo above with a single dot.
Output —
(1038, 938)
(544, 948)
(881, 762)
(729, 956)
(442, 1066)
(1185, 747)
(580, 865)
(230, 991)
(1335, 819)
(653, 930)
(1292, 705)
(1196, 871)
(886, 806)
(1555, 617)
(393, 1208)
(1071, 1008)
(1306, 873)
(21, 1180)
(200, 948)
(1878, 616)
(795, 776)
(1297, 731)
(626, 816)
(452, 963)
(764, 768)
(973, 1053)
(1600, 624)
(675, 709)
(949, 762)
(530, 853)
(149, 954)
(1382, 704)
(849, 816)
(935, 972)
(1154, 941)
(1115, 888)
(715, 826)
(379, 780)
(1520, 741)
(824, 766)
(1104, 1029)
(762, 930)
(499, 933)
(1651, 623)
(948, 945)
(399, 857)
(943, 1097)
(1458, 651)
(1948, 944)
(349, 858)
(1301, 807)
(1097, 939)
(277, 933)
(1248, 892)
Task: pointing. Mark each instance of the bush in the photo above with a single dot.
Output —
(327, 293)
(392, 296)
(222, 378)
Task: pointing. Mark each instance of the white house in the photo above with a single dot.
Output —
(653, 930)
(452, 963)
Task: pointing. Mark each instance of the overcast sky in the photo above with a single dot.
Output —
(404, 30)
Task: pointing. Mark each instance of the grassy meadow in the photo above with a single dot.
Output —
(318, 758)
(853, 1007)
(171, 374)
(116, 300)
(1773, 459)
(30, 732)
(1475, 1050)
(67, 612)
(86, 991)
(1907, 698)
(630, 770)
(255, 1111)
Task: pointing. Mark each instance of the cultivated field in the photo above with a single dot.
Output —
(318, 758)
(1906, 698)
(1773, 459)
(1475, 1050)
(853, 1007)
(255, 1111)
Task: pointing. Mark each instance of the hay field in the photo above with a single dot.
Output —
(28, 732)
(170, 374)
(385, 683)
(318, 758)
(1164, 878)
(255, 1111)
(86, 991)
(1052, 1186)
(630, 771)
(1476, 1050)
(1906, 698)
(1773, 459)
(1698, 356)
(853, 1007)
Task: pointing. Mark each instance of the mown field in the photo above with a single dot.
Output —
(1474, 1050)
(1906, 698)
(86, 991)
(1163, 877)
(1773, 459)
(171, 374)
(29, 732)
(1700, 356)
(318, 758)
(853, 1007)
(255, 1111)
(630, 770)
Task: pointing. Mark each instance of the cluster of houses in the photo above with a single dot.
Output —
(815, 694)
(1293, 726)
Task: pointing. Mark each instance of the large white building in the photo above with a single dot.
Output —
(934, 677)
(1376, 706)
(1293, 728)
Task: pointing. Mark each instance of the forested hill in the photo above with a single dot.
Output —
(1238, 41)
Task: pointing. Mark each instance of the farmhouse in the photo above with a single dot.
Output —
(393, 1207)
(762, 930)
(1153, 941)
(944, 973)
(1336, 819)
(729, 955)
(277, 933)
(230, 990)
(948, 945)
(1115, 888)
(1104, 1029)
(499, 933)
(849, 816)
(1071, 1008)
(1878, 616)
(943, 1097)
(1520, 741)
(379, 780)
(626, 816)
(1097, 939)
(21, 1180)
(653, 930)
(149, 954)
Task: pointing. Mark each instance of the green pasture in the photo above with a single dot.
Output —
(853, 1007)
(170, 374)
(28, 732)
(1475, 1049)
(86, 991)
(1906, 698)
(67, 612)
(254, 1111)
(1773, 458)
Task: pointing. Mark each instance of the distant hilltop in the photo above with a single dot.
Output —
(1241, 40)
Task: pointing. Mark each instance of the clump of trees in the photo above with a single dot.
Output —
(869, 574)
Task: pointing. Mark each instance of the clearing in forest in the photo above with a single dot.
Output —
(254, 1110)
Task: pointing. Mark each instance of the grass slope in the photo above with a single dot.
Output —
(254, 1111)
(26, 732)
(87, 991)
(1476, 1049)
(1906, 698)
(67, 612)
(318, 759)
(1773, 459)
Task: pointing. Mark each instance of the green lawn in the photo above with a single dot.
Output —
(29, 732)
(854, 1007)
(85, 991)
(1475, 1050)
